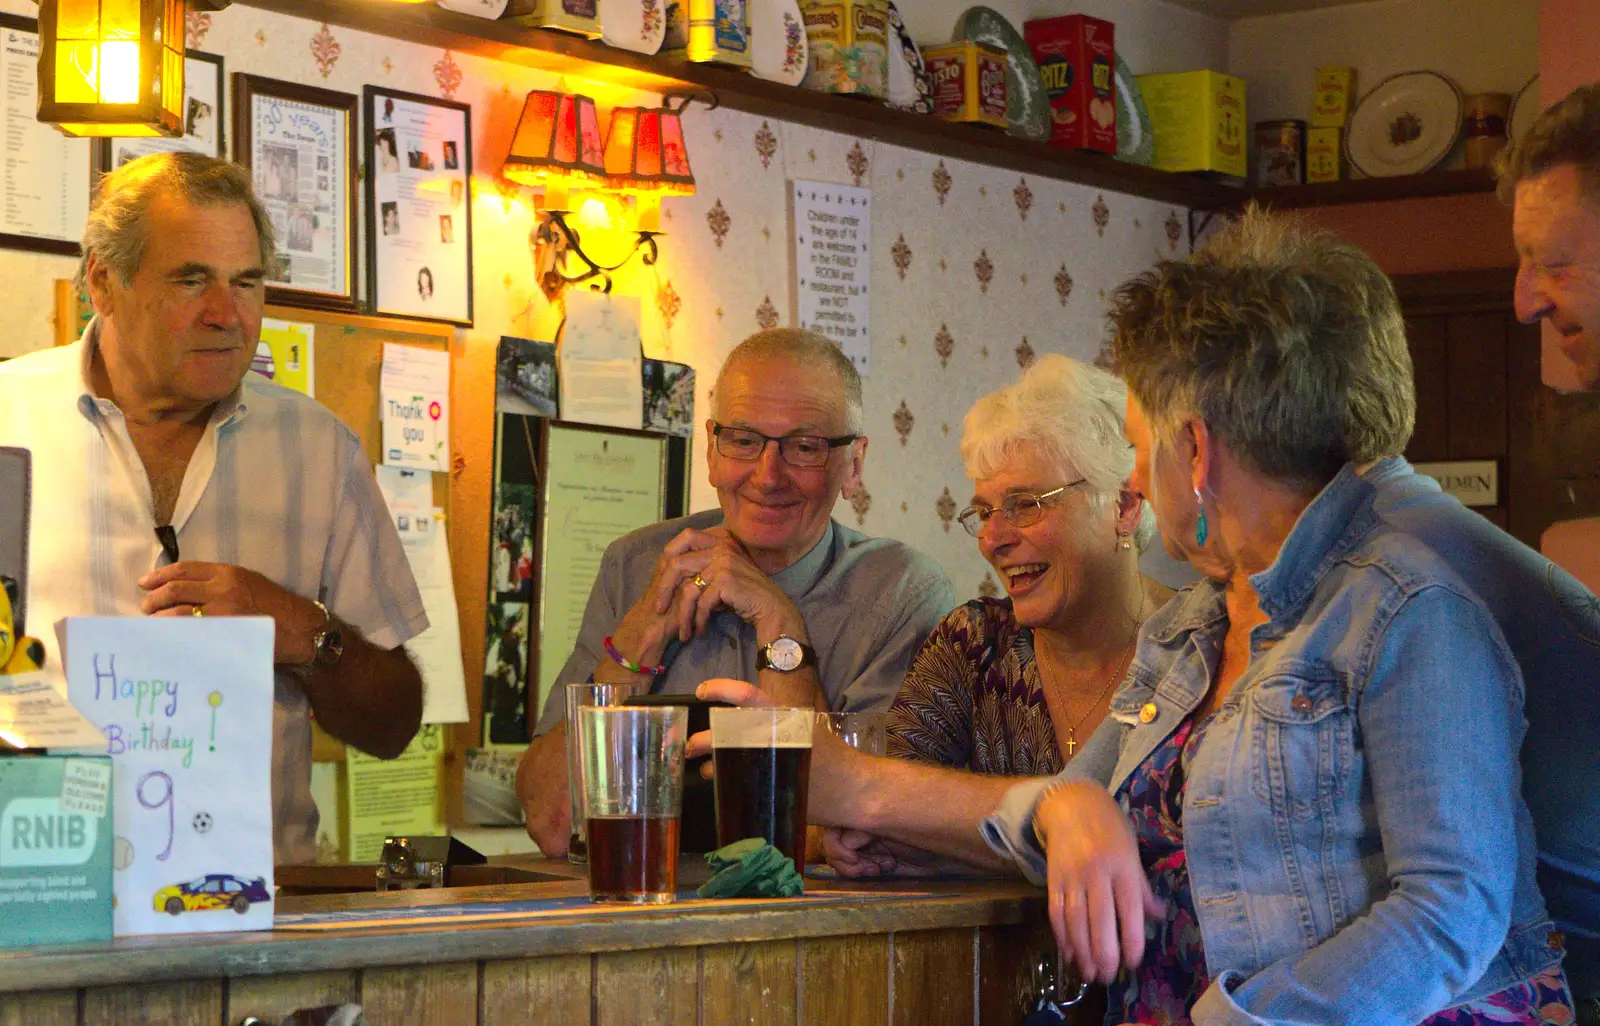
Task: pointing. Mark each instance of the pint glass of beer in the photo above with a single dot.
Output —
(632, 764)
(578, 696)
(763, 767)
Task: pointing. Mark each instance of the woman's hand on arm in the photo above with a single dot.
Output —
(1098, 894)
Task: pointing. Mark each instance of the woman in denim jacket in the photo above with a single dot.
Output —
(1313, 801)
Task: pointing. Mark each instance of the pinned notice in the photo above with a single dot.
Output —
(184, 706)
(415, 401)
(833, 265)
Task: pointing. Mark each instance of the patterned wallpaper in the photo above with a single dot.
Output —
(975, 270)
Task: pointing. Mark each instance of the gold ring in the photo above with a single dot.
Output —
(196, 611)
(700, 582)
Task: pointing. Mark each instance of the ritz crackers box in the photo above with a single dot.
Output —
(55, 849)
(1076, 56)
(1198, 120)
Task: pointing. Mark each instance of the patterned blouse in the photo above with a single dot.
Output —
(973, 700)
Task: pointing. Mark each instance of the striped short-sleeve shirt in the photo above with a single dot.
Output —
(277, 485)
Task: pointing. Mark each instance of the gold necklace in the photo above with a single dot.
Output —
(1116, 675)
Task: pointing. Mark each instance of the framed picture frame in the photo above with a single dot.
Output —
(299, 143)
(204, 103)
(418, 151)
(44, 195)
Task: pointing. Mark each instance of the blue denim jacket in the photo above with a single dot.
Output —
(1356, 842)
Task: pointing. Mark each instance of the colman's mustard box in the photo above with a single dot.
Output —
(1198, 120)
(55, 849)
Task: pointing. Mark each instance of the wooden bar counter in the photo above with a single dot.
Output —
(863, 953)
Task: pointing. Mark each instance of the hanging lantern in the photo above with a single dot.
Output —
(646, 157)
(112, 67)
(557, 145)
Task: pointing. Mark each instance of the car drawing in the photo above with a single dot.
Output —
(212, 891)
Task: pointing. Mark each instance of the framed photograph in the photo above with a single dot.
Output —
(44, 193)
(419, 206)
(299, 143)
(203, 108)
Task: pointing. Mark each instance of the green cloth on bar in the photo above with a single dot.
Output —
(751, 868)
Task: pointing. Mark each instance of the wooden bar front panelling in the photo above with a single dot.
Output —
(752, 984)
(844, 981)
(933, 977)
(399, 996)
(53, 1008)
(557, 989)
(271, 998)
(177, 1004)
(647, 988)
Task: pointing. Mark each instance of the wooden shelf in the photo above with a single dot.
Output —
(565, 54)
(1376, 190)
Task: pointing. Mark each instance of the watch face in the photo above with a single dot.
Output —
(784, 654)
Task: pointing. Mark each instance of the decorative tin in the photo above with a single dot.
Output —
(709, 31)
(1280, 152)
(1076, 56)
(1324, 152)
(1199, 121)
(580, 17)
(1485, 127)
(849, 43)
(969, 82)
(1330, 105)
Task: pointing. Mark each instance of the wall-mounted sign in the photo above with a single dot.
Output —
(1474, 482)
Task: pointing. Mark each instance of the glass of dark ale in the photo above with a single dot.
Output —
(578, 696)
(762, 760)
(631, 759)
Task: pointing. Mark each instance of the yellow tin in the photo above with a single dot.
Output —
(969, 82)
(1330, 104)
(1198, 120)
(1322, 154)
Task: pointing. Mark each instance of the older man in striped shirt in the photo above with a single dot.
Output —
(168, 481)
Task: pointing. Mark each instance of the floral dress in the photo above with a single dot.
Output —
(1173, 976)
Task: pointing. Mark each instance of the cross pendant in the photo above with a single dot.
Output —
(1072, 742)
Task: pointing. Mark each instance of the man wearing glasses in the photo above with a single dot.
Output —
(766, 588)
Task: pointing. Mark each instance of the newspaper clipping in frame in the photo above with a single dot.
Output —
(421, 160)
(298, 157)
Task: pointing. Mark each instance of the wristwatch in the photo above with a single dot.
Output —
(328, 642)
(786, 655)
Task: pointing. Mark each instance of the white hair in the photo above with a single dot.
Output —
(1067, 413)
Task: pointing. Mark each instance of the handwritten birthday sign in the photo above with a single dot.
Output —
(185, 706)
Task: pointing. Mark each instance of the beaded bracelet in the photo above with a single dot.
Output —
(629, 665)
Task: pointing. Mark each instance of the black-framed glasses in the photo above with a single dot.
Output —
(1020, 509)
(739, 443)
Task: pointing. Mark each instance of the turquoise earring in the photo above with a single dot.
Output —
(1200, 530)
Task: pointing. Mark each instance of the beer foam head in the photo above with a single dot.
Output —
(761, 728)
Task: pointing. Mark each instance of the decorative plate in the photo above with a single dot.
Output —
(778, 51)
(1405, 125)
(910, 88)
(1027, 105)
(1525, 109)
(637, 25)
(1136, 142)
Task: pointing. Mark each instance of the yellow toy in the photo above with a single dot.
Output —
(18, 653)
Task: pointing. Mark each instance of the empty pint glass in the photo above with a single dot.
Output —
(632, 765)
(578, 696)
(763, 767)
(863, 731)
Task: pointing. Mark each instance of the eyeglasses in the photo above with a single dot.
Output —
(1020, 510)
(738, 443)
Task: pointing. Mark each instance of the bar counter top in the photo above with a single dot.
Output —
(902, 943)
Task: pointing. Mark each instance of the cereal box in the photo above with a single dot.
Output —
(969, 82)
(849, 44)
(1076, 57)
(1330, 105)
(1322, 154)
(1198, 120)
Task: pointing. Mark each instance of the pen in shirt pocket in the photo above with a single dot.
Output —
(168, 537)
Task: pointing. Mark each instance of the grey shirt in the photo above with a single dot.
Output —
(868, 604)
